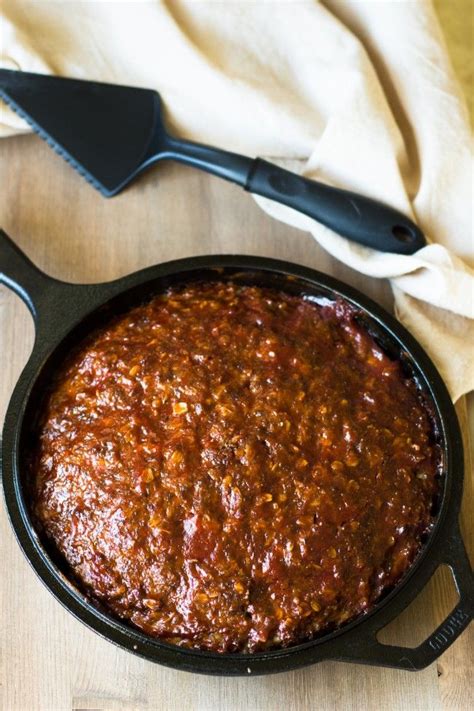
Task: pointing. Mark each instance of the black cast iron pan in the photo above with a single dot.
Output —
(65, 313)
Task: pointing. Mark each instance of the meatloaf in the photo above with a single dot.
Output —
(234, 468)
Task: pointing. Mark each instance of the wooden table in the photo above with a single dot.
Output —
(48, 660)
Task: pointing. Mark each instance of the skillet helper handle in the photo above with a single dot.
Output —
(351, 215)
(372, 651)
(18, 273)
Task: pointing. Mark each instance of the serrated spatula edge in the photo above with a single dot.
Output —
(57, 147)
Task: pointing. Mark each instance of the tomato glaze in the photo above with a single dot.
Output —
(234, 468)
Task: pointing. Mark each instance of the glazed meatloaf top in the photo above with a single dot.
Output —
(234, 468)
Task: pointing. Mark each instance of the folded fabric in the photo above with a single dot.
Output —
(360, 95)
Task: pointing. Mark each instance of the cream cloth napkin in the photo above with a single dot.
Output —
(360, 95)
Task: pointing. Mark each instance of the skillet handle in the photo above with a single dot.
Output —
(371, 651)
(18, 273)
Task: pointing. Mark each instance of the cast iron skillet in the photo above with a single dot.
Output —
(64, 313)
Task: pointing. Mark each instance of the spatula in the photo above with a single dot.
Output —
(112, 133)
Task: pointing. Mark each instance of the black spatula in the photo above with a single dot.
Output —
(112, 133)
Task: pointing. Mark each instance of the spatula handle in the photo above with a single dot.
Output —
(351, 215)
(233, 167)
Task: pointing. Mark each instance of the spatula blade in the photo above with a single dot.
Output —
(105, 131)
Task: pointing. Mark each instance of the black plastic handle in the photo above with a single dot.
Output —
(225, 164)
(360, 219)
(351, 215)
(369, 650)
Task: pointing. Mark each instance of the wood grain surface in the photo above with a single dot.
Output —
(48, 660)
